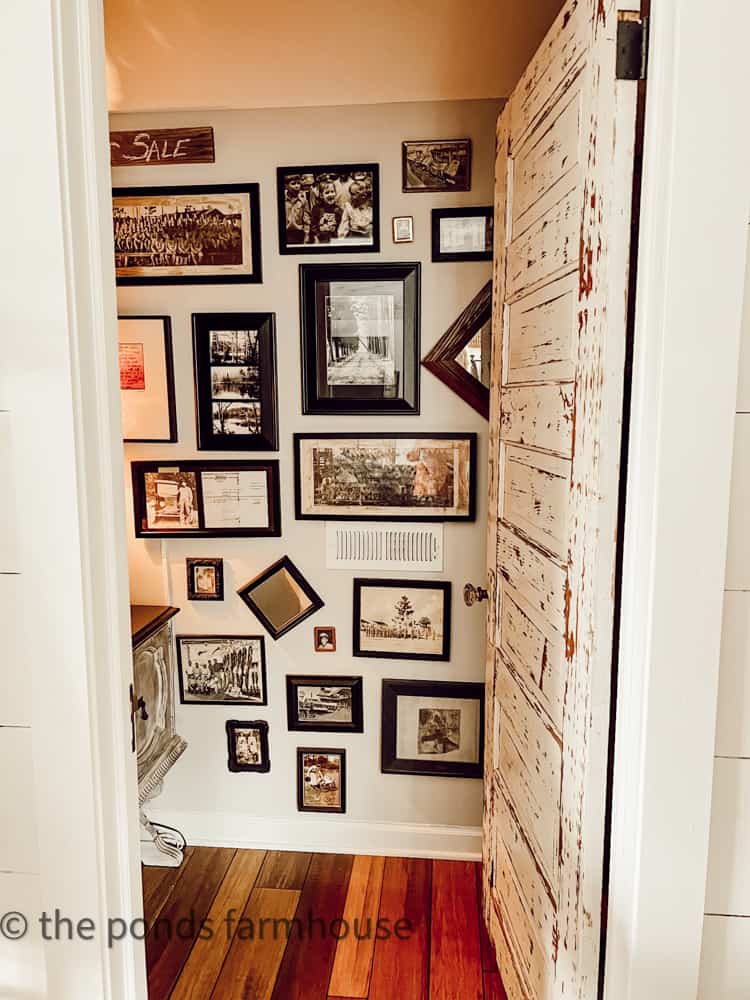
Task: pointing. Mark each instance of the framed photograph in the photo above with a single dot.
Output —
(321, 780)
(203, 234)
(402, 619)
(324, 704)
(433, 728)
(205, 579)
(403, 229)
(325, 639)
(222, 669)
(393, 477)
(235, 381)
(460, 234)
(360, 338)
(333, 208)
(280, 597)
(206, 499)
(247, 746)
(436, 165)
(147, 397)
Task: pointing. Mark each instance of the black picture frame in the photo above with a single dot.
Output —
(321, 751)
(172, 471)
(264, 325)
(193, 563)
(286, 247)
(166, 322)
(380, 512)
(187, 699)
(283, 564)
(232, 727)
(442, 586)
(253, 276)
(316, 342)
(432, 179)
(295, 724)
(486, 212)
(390, 763)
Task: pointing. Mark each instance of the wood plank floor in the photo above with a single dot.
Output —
(275, 925)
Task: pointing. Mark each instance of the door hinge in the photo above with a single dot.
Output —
(632, 47)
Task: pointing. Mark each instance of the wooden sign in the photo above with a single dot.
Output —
(162, 145)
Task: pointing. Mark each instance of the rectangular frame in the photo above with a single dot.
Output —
(438, 214)
(362, 399)
(437, 187)
(217, 564)
(284, 563)
(390, 763)
(185, 700)
(295, 724)
(169, 380)
(232, 725)
(268, 466)
(312, 248)
(395, 220)
(254, 276)
(301, 807)
(204, 324)
(359, 583)
(373, 513)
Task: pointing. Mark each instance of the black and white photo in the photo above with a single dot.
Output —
(324, 704)
(247, 746)
(222, 669)
(205, 579)
(462, 234)
(331, 208)
(324, 638)
(402, 619)
(436, 165)
(187, 235)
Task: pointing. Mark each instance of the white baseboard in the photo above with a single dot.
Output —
(324, 834)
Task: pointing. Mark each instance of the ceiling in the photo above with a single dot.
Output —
(193, 54)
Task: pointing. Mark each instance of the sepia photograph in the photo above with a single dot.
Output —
(397, 477)
(462, 234)
(221, 670)
(433, 728)
(187, 235)
(400, 619)
(436, 165)
(205, 579)
(171, 500)
(247, 746)
(324, 704)
(324, 639)
(321, 780)
(329, 209)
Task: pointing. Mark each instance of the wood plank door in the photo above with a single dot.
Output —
(564, 184)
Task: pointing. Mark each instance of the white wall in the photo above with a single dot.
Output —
(725, 958)
(200, 795)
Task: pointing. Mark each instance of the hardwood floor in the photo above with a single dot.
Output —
(275, 925)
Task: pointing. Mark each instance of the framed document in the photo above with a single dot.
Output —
(146, 379)
(206, 499)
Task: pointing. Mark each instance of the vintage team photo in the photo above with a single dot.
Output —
(221, 670)
(402, 619)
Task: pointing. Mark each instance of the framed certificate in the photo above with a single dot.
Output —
(146, 379)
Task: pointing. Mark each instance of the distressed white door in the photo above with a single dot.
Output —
(564, 181)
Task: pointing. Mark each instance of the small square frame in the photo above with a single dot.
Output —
(318, 631)
(191, 564)
(232, 726)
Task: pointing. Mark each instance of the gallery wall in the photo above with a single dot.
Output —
(384, 812)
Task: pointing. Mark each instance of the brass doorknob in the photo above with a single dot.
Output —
(474, 595)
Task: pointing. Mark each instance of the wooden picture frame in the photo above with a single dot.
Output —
(404, 622)
(290, 589)
(147, 397)
(478, 238)
(206, 499)
(196, 586)
(259, 729)
(316, 719)
(360, 326)
(308, 224)
(238, 678)
(236, 404)
(328, 479)
(442, 361)
(197, 245)
(413, 743)
(321, 632)
(435, 165)
(310, 757)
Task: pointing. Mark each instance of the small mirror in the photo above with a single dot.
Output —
(280, 597)
(462, 358)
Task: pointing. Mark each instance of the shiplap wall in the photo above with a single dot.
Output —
(725, 959)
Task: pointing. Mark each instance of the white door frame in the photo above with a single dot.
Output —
(689, 295)
(696, 185)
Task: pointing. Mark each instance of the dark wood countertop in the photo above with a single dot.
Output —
(145, 619)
